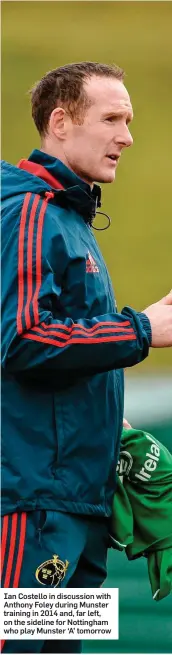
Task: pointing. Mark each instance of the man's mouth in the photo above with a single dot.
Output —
(113, 158)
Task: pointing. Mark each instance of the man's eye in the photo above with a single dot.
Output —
(111, 119)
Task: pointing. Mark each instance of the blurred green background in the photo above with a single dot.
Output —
(39, 36)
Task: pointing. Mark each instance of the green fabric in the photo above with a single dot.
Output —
(160, 573)
(142, 506)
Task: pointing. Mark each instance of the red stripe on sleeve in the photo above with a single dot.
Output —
(20, 550)
(4, 540)
(38, 259)
(66, 337)
(89, 340)
(21, 263)
(99, 324)
(29, 260)
(11, 550)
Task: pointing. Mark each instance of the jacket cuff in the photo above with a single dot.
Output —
(146, 325)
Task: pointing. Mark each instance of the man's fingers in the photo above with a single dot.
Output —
(126, 424)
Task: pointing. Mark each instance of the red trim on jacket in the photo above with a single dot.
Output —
(20, 550)
(87, 340)
(21, 262)
(39, 171)
(29, 260)
(17, 523)
(29, 236)
(11, 550)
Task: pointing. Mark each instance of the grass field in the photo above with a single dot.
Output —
(38, 36)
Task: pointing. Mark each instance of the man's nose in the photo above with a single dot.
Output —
(129, 140)
(125, 139)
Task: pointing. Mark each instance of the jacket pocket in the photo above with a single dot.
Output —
(39, 519)
(44, 521)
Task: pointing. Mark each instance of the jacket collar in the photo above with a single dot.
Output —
(73, 191)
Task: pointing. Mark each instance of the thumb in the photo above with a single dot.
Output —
(126, 424)
(167, 300)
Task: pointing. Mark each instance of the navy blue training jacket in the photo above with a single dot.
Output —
(64, 345)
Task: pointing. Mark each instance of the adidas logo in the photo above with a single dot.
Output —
(91, 266)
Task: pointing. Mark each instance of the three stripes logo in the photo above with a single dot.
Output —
(12, 550)
(27, 235)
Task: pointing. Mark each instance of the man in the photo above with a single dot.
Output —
(64, 345)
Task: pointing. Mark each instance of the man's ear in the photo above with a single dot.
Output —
(58, 122)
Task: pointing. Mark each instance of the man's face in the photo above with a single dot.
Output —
(103, 134)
